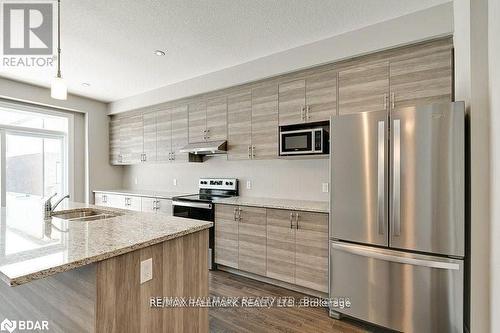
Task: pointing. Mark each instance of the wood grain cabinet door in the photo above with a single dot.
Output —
(131, 139)
(197, 115)
(226, 235)
(265, 122)
(216, 119)
(239, 125)
(321, 96)
(164, 135)
(311, 251)
(114, 142)
(252, 240)
(281, 245)
(292, 101)
(364, 88)
(179, 132)
(150, 139)
(422, 80)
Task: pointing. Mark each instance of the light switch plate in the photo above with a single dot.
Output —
(324, 187)
(175, 182)
(249, 185)
(146, 270)
(136, 181)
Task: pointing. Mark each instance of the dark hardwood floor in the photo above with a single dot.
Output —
(274, 319)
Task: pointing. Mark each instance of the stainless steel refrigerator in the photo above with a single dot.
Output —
(397, 230)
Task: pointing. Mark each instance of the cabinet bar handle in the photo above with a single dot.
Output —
(291, 220)
(234, 216)
(296, 220)
(393, 100)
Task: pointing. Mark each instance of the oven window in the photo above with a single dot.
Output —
(297, 142)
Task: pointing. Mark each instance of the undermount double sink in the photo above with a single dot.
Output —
(86, 214)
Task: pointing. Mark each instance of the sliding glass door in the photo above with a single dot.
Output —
(34, 166)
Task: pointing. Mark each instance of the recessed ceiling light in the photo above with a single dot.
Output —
(159, 53)
(86, 84)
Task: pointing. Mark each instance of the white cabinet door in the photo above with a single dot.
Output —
(100, 199)
(115, 200)
(148, 204)
(133, 203)
(164, 206)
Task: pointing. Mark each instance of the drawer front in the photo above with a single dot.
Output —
(164, 206)
(148, 205)
(401, 291)
(133, 203)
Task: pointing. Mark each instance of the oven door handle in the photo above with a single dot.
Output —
(192, 204)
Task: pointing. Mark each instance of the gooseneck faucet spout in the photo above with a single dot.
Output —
(49, 208)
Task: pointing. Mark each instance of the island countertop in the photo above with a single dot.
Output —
(32, 248)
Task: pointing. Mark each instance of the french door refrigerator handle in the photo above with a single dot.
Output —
(381, 177)
(396, 181)
(415, 260)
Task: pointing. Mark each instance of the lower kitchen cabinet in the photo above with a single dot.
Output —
(281, 245)
(226, 235)
(118, 201)
(311, 250)
(156, 205)
(297, 248)
(252, 239)
(285, 245)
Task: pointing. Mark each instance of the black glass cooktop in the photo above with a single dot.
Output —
(201, 197)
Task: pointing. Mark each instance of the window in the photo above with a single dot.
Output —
(34, 155)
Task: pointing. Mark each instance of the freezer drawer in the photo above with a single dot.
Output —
(402, 291)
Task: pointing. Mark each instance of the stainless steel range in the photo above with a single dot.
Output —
(201, 206)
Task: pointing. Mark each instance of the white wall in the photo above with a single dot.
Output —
(471, 66)
(100, 173)
(432, 22)
(291, 179)
(494, 95)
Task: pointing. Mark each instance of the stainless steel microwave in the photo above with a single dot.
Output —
(303, 141)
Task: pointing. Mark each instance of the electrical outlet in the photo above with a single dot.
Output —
(175, 182)
(324, 187)
(249, 184)
(146, 270)
(136, 181)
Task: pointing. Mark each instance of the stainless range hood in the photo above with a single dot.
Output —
(205, 148)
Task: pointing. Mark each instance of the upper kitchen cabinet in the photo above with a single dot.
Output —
(239, 125)
(264, 127)
(308, 100)
(114, 142)
(149, 137)
(216, 129)
(197, 115)
(208, 120)
(164, 135)
(292, 100)
(131, 139)
(423, 79)
(172, 134)
(321, 96)
(179, 118)
(364, 88)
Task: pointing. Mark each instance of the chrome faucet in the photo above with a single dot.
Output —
(48, 208)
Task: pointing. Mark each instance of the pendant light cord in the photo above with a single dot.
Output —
(58, 38)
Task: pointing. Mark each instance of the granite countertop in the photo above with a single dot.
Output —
(33, 248)
(302, 205)
(144, 193)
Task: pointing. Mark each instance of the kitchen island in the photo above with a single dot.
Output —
(80, 271)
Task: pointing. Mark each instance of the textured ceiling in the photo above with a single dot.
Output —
(110, 44)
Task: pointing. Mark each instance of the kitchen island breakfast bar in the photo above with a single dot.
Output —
(80, 270)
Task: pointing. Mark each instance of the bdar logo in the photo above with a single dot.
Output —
(8, 325)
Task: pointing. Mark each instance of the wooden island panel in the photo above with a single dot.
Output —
(180, 268)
